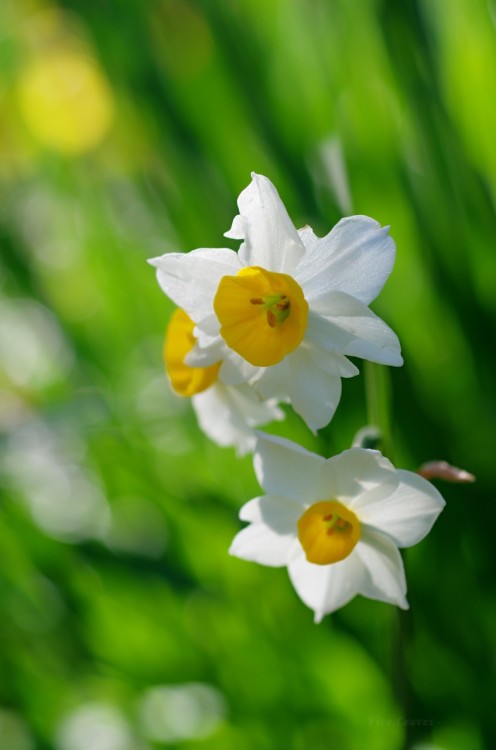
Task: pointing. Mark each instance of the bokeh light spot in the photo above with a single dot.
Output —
(94, 726)
(171, 713)
(65, 101)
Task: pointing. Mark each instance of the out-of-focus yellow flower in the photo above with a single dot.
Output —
(179, 341)
(65, 101)
(228, 414)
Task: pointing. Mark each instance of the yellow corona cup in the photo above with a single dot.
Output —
(179, 341)
(262, 314)
(328, 532)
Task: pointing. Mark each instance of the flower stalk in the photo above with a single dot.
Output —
(378, 400)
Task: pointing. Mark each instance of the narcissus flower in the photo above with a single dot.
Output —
(336, 524)
(228, 414)
(284, 312)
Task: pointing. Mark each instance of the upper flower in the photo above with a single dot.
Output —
(336, 523)
(283, 312)
(228, 414)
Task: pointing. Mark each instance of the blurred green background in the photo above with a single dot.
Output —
(127, 129)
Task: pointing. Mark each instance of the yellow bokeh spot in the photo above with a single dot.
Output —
(65, 101)
(179, 341)
(262, 314)
(328, 532)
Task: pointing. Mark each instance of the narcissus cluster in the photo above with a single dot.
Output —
(272, 323)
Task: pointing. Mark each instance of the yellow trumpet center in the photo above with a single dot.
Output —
(328, 532)
(179, 341)
(262, 314)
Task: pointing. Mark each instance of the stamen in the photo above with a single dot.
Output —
(283, 304)
(278, 307)
(271, 319)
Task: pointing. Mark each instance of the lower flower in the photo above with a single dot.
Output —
(227, 414)
(335, 523)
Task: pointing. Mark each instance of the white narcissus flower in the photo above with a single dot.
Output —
(336, 524)
(228, 414)
(284, 312)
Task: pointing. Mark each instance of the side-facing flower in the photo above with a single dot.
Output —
(228, 414)
(335, 523)
(285, 311)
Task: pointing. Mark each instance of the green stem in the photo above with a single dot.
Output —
(378, 397)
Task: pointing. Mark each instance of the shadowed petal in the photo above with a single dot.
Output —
(313, 392)
(259, 543)
(286, 469)
(333, 363)
(325, 588)
(229, 414)
(385, 573)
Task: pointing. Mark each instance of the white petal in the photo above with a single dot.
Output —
(271, 240)
(281, 514)
(332, 362)
(273, 381)
(339, 322)
(235, 370)
(220, 422)
(203, 357)
(252, 409)
(386, 575)
(350, 474)
(229, 414)
(308, 237)
(356, 257)
(209, 330)
(212, 348)
(191, 279)
(325, 588)
(286, 469)
(259, 543)
(237, 230)
(314, 393)
(406, 512)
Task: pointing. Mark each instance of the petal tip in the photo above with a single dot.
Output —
(232, 549)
